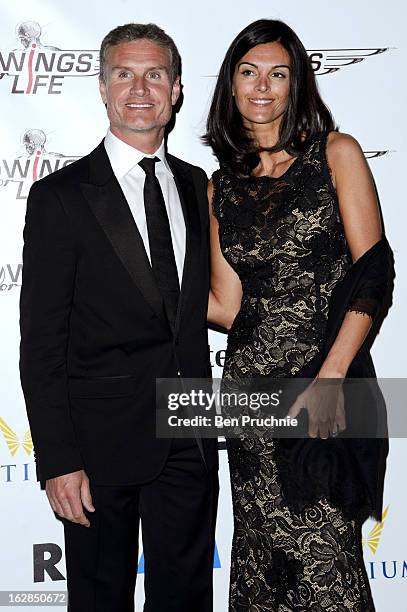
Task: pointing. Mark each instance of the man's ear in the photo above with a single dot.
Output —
(176, 90)
(102, 91)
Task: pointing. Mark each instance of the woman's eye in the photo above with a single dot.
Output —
(279, 75)
(247, 72)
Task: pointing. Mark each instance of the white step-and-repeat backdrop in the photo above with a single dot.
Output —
(51, 115)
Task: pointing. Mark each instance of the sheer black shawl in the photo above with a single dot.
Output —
(349, 472)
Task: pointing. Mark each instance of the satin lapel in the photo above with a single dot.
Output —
(188, 197)
(110, 207)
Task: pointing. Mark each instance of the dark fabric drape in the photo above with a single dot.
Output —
(349, 472)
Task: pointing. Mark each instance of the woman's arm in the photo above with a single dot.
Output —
(360, 216)
(226, 290)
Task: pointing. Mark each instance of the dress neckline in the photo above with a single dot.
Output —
(293, 163)
(276, 178)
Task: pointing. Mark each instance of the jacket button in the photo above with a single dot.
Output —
(176, 341)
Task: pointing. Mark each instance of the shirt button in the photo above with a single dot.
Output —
(178, 373)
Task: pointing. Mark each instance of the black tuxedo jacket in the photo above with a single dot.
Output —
(94, 333)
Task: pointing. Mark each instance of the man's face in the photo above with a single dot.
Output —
(138, 88)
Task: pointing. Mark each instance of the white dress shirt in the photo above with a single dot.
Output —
(124, 160)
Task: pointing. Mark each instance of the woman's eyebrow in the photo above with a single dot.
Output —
(255, 65)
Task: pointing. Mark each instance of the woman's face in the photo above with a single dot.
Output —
(261, 84)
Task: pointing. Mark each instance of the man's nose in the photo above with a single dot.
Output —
(139, 86)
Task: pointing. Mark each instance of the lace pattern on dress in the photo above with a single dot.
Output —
(284, 238)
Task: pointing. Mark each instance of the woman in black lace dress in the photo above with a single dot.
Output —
(292, 209)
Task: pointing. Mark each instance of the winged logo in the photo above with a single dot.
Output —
(12, 440)
(373, 538)
(327, 61)
(373, 154)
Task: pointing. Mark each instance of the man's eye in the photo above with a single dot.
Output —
(124, 74)
(154, 75)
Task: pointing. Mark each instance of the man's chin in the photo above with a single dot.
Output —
(143, 130)
(143, 127)
(136, 128)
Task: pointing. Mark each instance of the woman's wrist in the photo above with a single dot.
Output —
(335, 365)
(331, 371)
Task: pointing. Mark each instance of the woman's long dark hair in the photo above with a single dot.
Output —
(305, 115)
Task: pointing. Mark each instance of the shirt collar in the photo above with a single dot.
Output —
(124, 157)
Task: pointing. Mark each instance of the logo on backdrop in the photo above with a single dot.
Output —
(372, 540)
(33, 162)
(327, 61)
(47, 556)
(373, 154)
(36, 67)
(217, 358)
(384, 569)
(15, 445)
(10, 277)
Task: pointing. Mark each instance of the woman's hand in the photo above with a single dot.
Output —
(324, 402)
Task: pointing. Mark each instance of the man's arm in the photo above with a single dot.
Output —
(49, 264)
(45, 306)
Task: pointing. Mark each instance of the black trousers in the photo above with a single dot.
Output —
(178, 514)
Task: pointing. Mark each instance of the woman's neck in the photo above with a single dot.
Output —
(265, 135)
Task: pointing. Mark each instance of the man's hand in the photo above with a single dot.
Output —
(68, 495)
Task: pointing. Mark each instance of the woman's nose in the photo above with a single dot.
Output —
(262, 84)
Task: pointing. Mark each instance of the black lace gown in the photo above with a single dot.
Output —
(285, 239)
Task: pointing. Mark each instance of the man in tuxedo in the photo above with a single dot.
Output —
(114, 295)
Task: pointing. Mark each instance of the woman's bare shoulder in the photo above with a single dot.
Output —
(340, 144)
